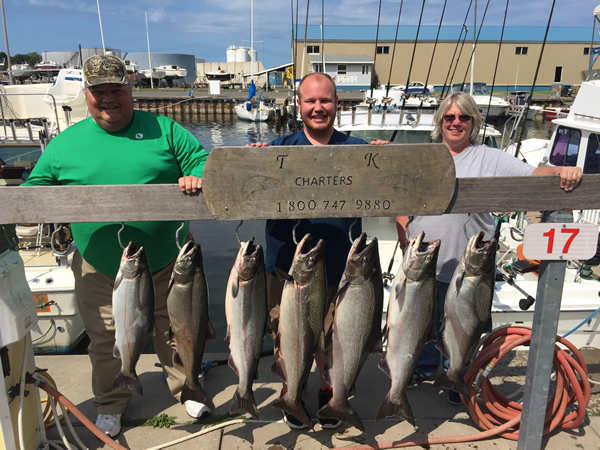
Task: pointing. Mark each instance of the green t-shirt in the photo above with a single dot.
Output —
(152, 149)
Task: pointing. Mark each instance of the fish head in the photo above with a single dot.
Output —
(250, 260)
(420, 258)
(187, 262)
(363, 261)
(134, 260)
(307, 260)
(480, 255)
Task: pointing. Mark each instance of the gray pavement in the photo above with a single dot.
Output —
(434, 416)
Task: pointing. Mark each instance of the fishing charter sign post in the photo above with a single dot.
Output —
(553, 244)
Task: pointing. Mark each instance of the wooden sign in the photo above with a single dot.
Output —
(328, 181)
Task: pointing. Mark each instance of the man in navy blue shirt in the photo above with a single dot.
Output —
(317, 103)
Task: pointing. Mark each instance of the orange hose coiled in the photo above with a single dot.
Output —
(572, 385)
(499, 416)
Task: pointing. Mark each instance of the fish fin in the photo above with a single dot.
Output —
(177, 359)
(235, 286)
(295, 409)
(432, 335)
(231, 363)
(283, 276)
(278, 369)
(268, 326)
(441, 346)
(118, 280)
(385, 367)
(240, 404)
(320, 344)
(389, 408)
(487, 328)
(345, 413)
(132, 382)
(197, 395)
(116, 352)
(443, 381)
(210, 331)
(227, 334)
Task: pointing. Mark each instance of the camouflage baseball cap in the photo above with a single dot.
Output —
(100, 69)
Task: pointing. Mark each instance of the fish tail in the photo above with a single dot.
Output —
(241, 403)
(389, 408)
(197, 394)
(343, 412)
(296, 409)
(132, 382)
(453, 381)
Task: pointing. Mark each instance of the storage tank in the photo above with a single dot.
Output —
(231, 53)
(252, 55)
(241, 54)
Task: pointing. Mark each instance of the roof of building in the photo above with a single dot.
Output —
(351, 59)
(447, 33)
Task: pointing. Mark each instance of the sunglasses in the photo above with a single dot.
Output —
(452, 117)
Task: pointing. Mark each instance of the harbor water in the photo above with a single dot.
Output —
(218, 239)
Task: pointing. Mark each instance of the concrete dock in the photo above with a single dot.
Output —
(434, 416)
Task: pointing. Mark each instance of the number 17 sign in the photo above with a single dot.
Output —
(560, 241)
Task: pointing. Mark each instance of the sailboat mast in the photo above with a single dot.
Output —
(251, 40)
(101, 32)
(149, 61)
(473, 52)
(8, 63)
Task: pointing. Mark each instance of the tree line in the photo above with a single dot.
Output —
(31, 59)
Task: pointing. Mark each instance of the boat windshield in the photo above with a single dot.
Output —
(566, 147)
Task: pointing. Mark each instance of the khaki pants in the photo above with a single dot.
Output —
(93, 290)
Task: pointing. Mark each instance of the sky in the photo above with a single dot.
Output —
(206, 28)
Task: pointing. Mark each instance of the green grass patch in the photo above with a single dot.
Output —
(160, 421)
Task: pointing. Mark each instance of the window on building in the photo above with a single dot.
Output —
(365, 69)
(341, 70)
(521, 50)
(557, 74)
(318, 68)
(383, 49)
(312, 48)
(586, 51)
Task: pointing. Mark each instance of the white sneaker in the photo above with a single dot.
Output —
(109, 424)
(196, 410)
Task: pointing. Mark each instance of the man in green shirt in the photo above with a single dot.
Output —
(120, 145)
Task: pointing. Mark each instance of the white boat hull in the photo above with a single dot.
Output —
(263, 114)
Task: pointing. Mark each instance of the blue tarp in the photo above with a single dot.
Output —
(251, 90)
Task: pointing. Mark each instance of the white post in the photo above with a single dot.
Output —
(101, 32)
(149, 60)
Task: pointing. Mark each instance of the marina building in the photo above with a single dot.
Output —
(357, 55)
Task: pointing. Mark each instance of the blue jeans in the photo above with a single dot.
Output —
(431, 358)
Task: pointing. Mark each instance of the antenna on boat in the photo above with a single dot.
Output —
(101, 32)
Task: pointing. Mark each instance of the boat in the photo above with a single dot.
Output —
(151, 76)
(219, 75)
(21, 71)
(517, 101)
(173, 72)
(485, 100)
(253, 111)
(47, 65)
(398, 96)
(42, 111)
(44, 107)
